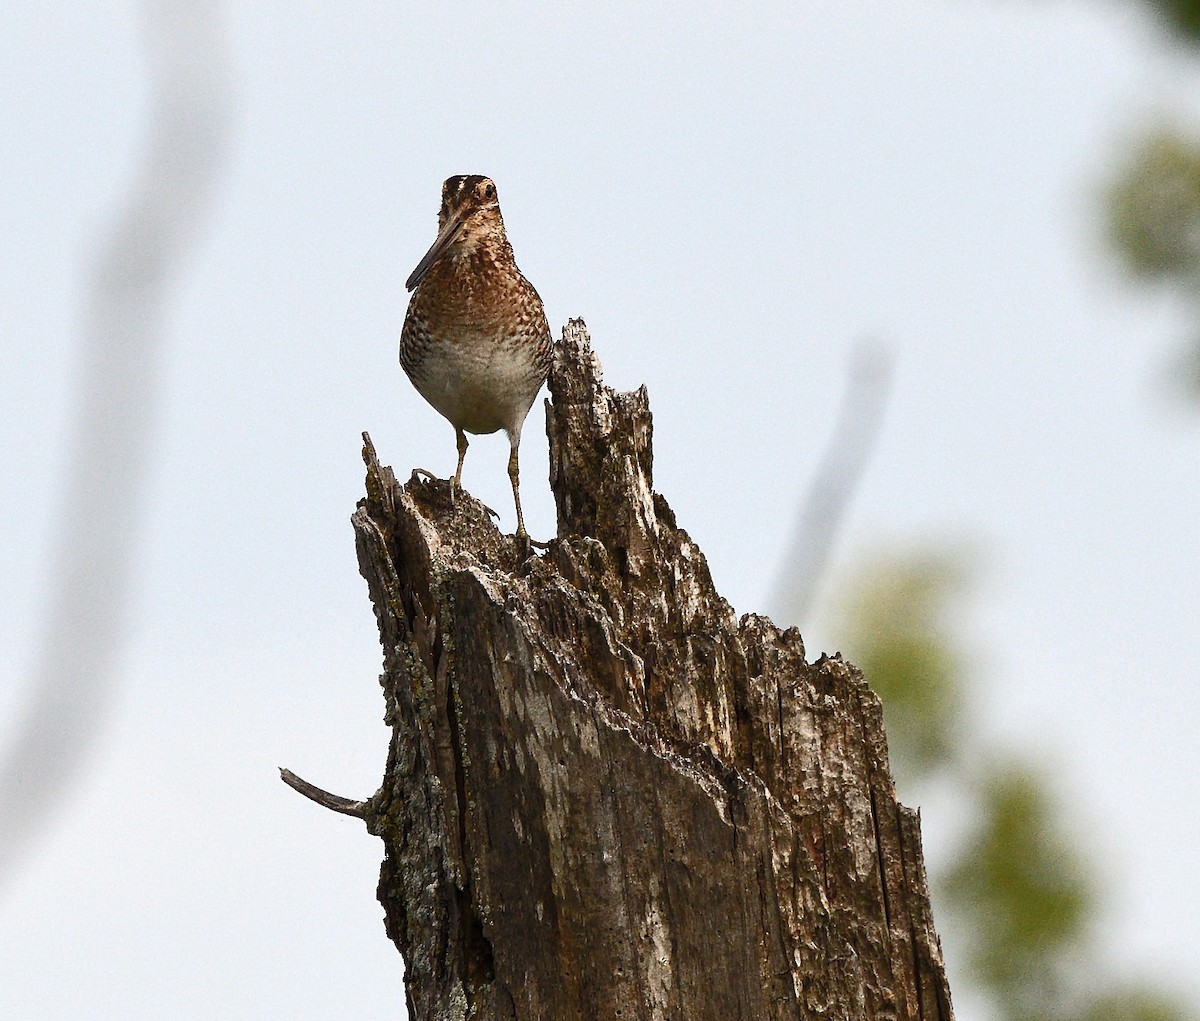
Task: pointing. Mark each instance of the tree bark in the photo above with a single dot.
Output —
(607, 797)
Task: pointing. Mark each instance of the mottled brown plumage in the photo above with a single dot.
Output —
(475, 342)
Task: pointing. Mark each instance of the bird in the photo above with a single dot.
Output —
(475, 341)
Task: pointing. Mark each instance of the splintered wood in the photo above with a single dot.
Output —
(606, 796)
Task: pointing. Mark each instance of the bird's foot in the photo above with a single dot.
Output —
(524, 539)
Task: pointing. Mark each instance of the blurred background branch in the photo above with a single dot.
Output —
(109, 463)
(864, 405)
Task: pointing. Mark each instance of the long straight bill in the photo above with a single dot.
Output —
(448, 234)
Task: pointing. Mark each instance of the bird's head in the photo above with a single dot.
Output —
(470, 214)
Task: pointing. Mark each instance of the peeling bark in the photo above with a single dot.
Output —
(606, 796)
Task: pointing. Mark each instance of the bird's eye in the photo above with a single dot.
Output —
(489, 191)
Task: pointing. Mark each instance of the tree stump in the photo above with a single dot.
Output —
(607, 797)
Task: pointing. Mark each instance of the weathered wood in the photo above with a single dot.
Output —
(607, 797)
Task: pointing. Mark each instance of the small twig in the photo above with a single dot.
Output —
(345, 806)
(370, 458)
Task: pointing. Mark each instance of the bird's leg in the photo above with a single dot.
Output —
(462, 454)
(514, 476)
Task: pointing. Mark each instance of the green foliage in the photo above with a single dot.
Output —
(1154, 207)
(1025, 897)
(896, 619)
(1153, 212)
(1139, 1003)
(1026, 886)
(1022, 892)
(1180, 16)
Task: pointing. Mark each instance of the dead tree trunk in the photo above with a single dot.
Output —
(606, 796)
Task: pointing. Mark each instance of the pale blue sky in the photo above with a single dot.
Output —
(730, 199)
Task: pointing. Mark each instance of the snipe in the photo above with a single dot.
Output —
(475, 341)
